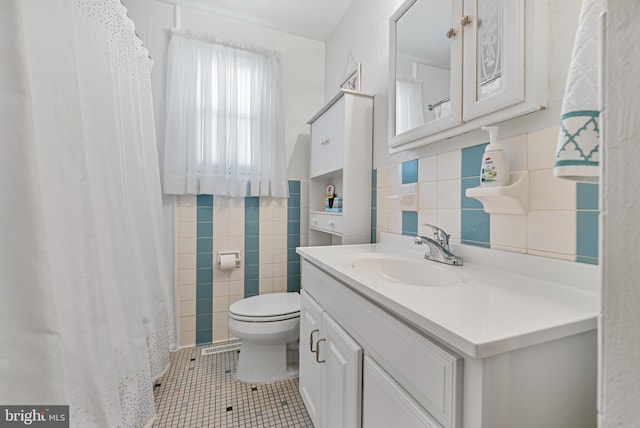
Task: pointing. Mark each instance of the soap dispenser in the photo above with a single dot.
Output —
(494, 170)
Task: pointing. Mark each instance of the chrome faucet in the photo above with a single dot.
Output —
(438, 247)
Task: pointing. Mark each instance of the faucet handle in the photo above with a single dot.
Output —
(440, 235)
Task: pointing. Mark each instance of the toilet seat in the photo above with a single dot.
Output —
(266, 308)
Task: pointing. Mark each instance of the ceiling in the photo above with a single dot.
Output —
(312, 19)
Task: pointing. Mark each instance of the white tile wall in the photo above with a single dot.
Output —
(228, 286)
(548, 230)
(541, 147)
(187, 269)
(427, 170)
(508, 232)
(428, 198)
(550, 193)
(450, 221)
(552, 231)
(449, 165)
(515, 149)
(449, 194)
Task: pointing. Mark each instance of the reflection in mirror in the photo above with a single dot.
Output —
(423, 64)
(489, 47)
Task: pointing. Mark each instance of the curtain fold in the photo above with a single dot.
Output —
(86, 284)
(224, 124)
(409, 108)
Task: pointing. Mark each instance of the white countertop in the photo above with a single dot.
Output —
(508, 300)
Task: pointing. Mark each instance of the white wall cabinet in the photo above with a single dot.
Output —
(490, 44)
(330, 369)
(341, 155)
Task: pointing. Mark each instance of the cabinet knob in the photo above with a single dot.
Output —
(314, 220)
(466, 20)
(451, 33)
(331, 223)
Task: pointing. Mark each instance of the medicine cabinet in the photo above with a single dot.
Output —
(457, 65)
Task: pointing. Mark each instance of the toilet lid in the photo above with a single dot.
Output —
(277, 305)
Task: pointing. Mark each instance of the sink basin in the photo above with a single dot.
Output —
(421, 273)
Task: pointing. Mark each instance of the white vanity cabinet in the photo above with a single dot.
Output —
(493, 53)
(387, 404)
(367, 361)
(404, 375)
(341, 155)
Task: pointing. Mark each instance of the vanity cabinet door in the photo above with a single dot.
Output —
(494, 46)
(342, 360)
(386, 404)
(310, 371)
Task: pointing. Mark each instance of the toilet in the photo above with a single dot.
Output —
(269, 327)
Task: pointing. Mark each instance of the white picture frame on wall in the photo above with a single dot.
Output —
(353, 80)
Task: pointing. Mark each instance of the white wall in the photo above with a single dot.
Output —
(620, 323)
(302, 60)
(364, 32)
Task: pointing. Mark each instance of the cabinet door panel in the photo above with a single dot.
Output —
(310, 371)
(385, 404)
(327, 140)
(342, 378)
(494, 45)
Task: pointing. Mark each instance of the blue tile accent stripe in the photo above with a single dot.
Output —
(251, 246)
(410, 171)
(587, 223)
(475, 222)
(293, 238)
(374, 205)
(587, 196)
(471, 160)
(475, 228)
(410, 223)
(204, 269)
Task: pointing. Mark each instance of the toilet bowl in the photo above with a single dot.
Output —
(268, 325)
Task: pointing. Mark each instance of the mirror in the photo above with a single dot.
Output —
(422, 66)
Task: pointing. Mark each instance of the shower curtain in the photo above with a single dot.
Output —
(86, 304)
(409, 108)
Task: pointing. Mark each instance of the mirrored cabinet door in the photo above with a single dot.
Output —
(426, 68)
(494, 54)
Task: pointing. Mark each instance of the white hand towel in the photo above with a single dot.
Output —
(577, 156)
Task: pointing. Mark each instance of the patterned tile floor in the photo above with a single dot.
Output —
(201, 391)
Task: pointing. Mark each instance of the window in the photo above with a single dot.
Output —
(224, 126)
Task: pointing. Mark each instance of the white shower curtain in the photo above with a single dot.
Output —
(409, 108)
(86, 305)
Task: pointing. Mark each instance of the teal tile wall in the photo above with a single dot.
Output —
(587, 223)
(475, 222)
(293, 238)
(204, 269)
(251, 246)
(374, 204)
(410, 223)
(410, 171)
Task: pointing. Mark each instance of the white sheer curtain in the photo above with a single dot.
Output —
(86, 304)
(224, 123)
(409, 107)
